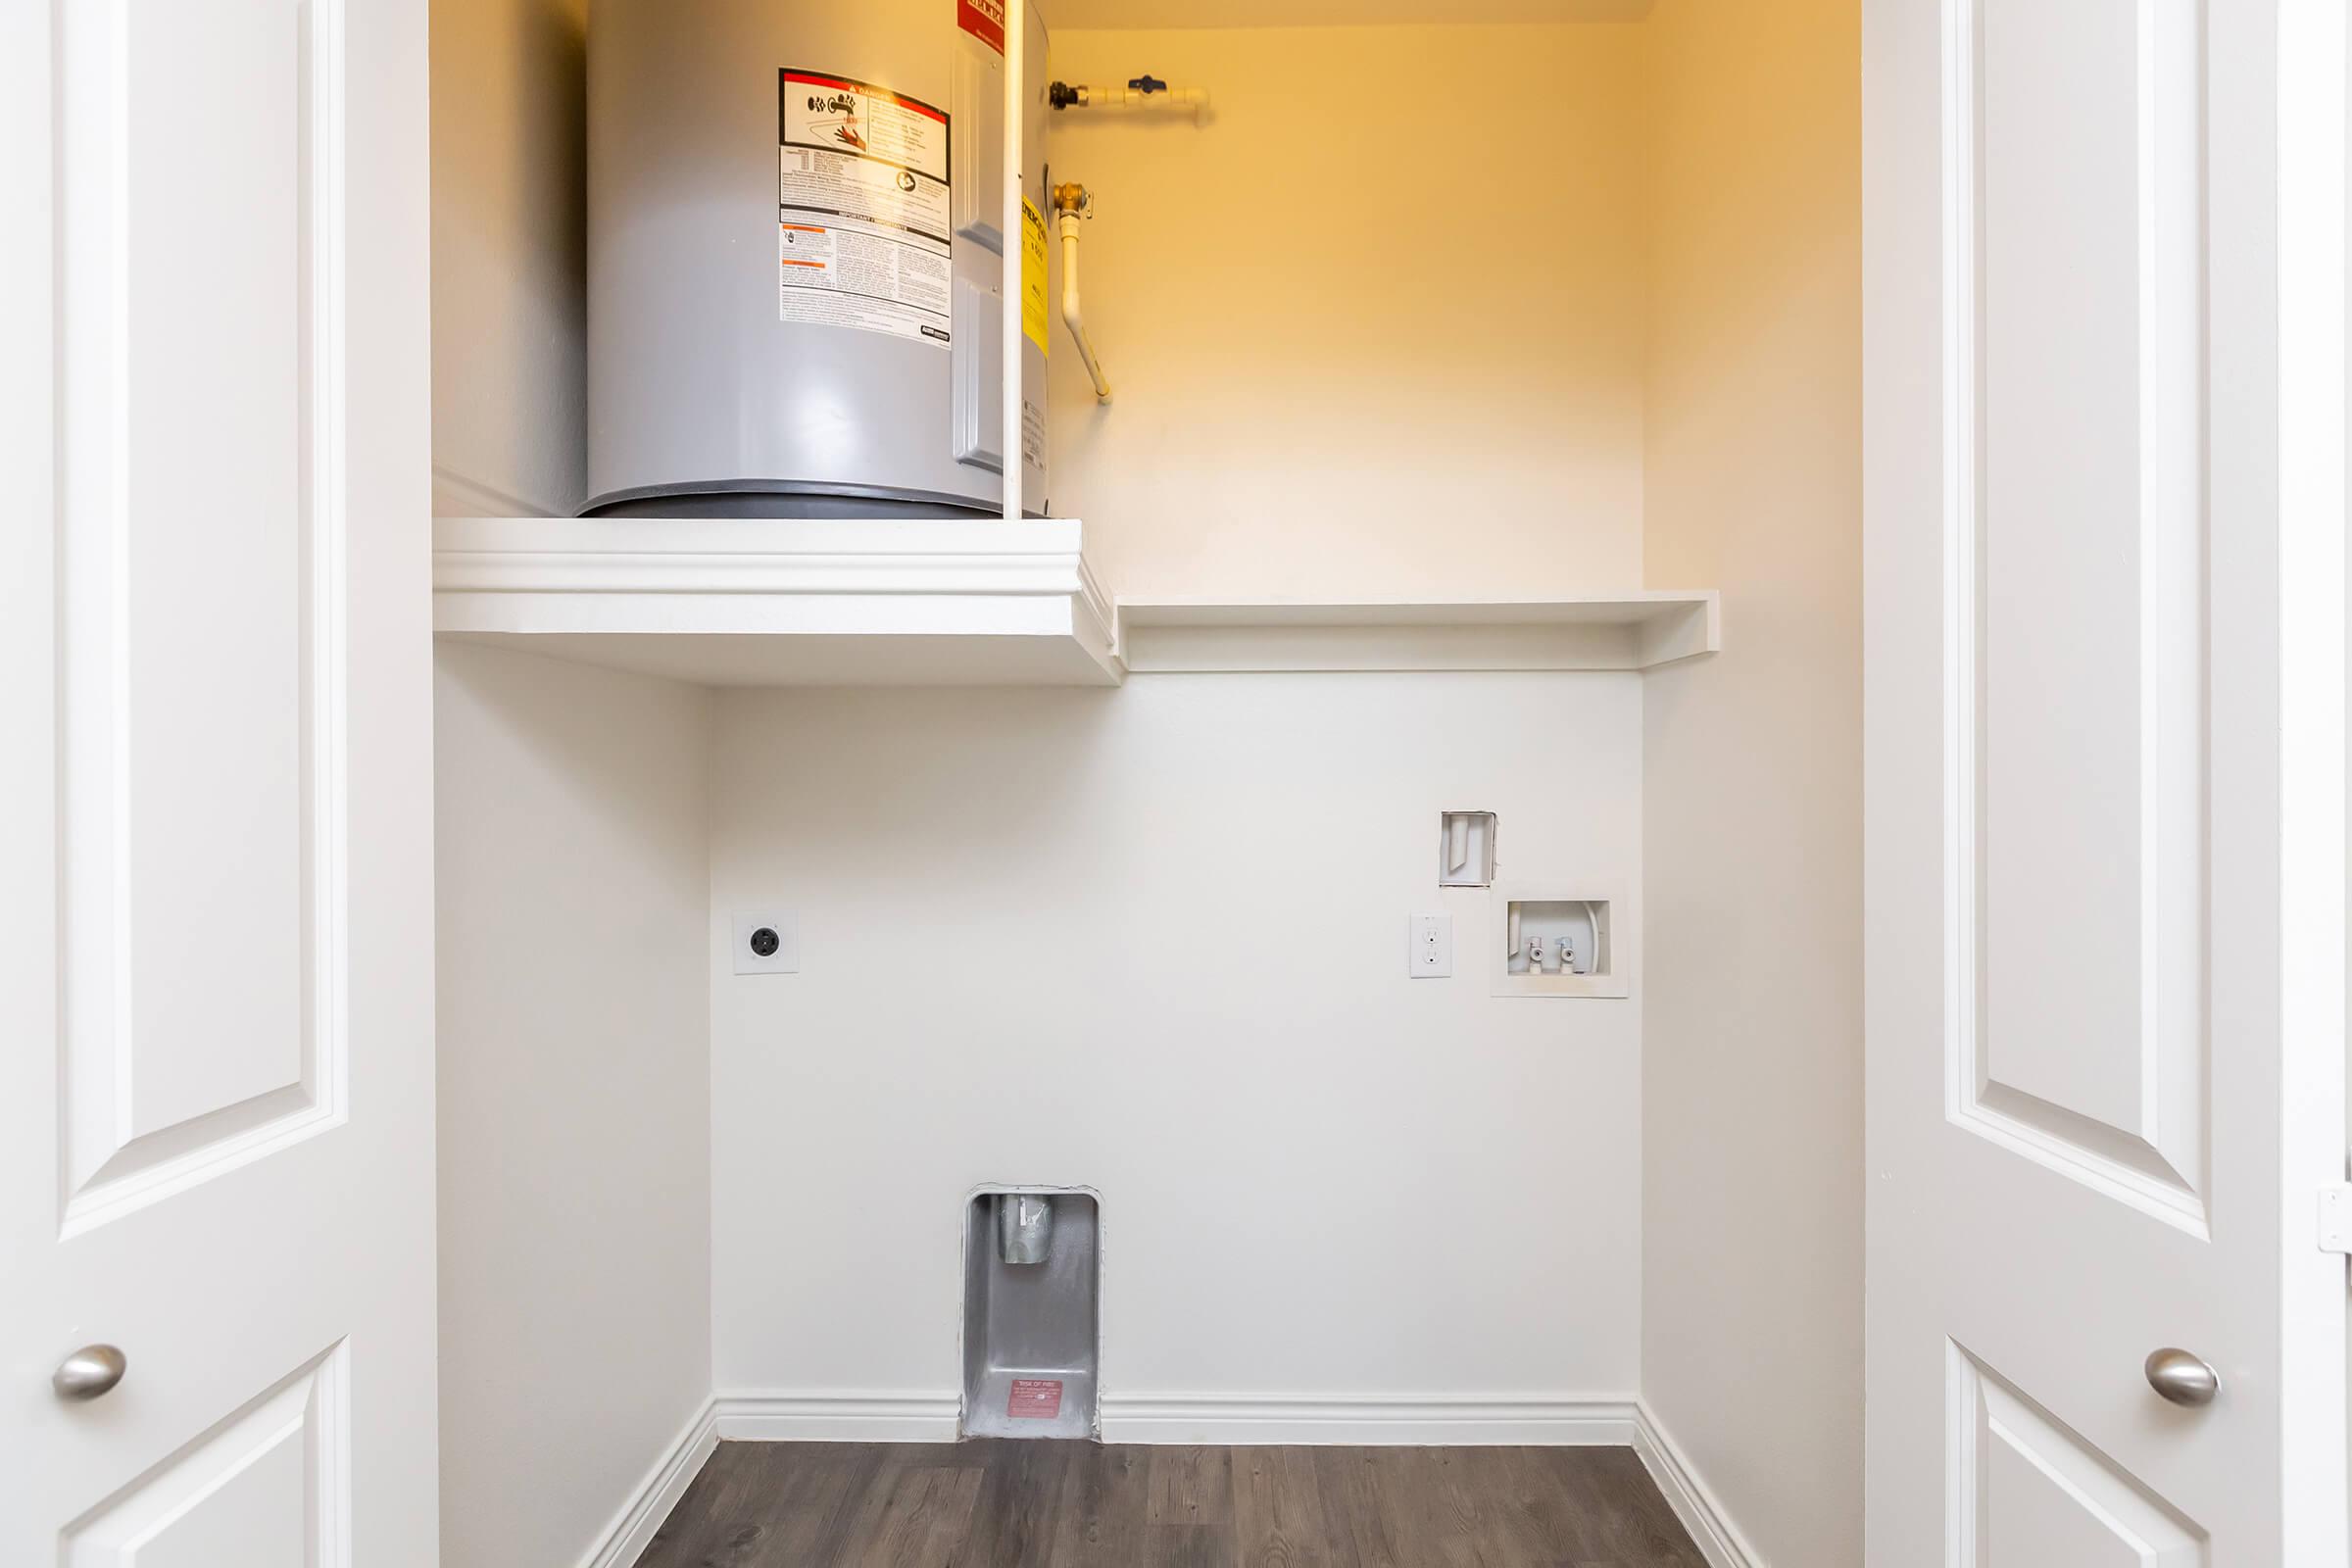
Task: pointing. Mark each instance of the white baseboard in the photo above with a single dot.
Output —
(1564, 1420)
(1719, 1540)
(625, 1539)
(1407, 1419)
(778, 1416)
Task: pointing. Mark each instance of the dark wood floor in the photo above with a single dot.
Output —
(1005, 1503)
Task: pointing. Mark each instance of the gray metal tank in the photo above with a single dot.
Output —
(794, 258)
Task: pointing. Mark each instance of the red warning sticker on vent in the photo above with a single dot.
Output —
(1034, 1400)
(984, 20)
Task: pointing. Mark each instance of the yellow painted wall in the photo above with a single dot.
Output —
(1751, 1041)
(1376, 328)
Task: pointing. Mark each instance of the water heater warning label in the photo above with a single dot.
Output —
(1033, 274)
(1034, 1399)
(984, 20)
(861, 208)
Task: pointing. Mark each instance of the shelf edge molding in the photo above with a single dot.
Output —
(900, 602)
(756, 601)
(1636, 630)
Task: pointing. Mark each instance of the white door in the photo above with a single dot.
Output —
(215, 980)
(2104, 740)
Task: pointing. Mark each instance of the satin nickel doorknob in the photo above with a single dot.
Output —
(89, 1372)
(2182, 1377)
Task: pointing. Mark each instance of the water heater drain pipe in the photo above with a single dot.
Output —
(1072, 203)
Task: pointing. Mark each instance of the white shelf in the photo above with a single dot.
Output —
(1639, 629)
(744, 601)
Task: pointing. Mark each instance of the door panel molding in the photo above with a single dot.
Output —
(200, 551)
(2023, 1483)
(268, 1484)
(2077, 656)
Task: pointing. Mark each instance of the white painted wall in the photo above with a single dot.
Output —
(1752, 1068)
(575, 1096)
(509, 256)
(573, 887)
(1375, 327)
(1152, 940)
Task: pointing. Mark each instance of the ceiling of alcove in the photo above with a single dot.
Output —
(1060, 14)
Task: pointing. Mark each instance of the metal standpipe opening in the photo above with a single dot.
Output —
(1024, 1226)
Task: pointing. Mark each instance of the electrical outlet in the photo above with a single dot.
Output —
(767, 942)
(1432, 947)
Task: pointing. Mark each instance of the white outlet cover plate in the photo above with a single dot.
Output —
(1429, 946)
(786, 960)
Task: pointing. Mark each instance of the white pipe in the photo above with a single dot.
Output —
(1071, 316)
(1016, 170)
(1195, 99)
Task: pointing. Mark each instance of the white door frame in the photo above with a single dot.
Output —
(2315, 435)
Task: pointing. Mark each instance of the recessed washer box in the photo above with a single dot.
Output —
(1544, 916)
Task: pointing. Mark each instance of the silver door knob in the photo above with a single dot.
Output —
(89, 1372)
(2182, 1377)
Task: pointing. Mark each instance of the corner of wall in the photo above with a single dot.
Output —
(575, 1101)
(1751, 1062)
(510, 256)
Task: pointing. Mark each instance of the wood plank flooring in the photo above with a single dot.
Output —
(1008, 1503)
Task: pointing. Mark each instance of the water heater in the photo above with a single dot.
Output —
(797, 258)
